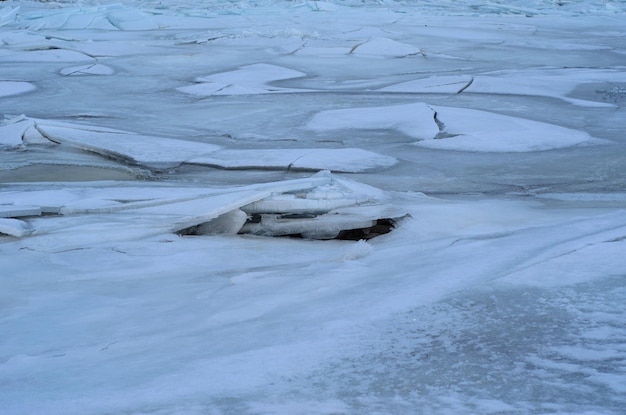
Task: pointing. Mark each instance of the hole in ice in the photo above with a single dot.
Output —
(381, 227)
(330, 209)
(301, 225)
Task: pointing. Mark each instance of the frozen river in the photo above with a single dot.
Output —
(496, 131)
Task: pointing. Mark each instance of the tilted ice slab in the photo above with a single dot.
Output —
(15, 87)
(12, 132)
(15, 227)
(17, 211)
(543, 82)
(454, 128)
(323, 205)
(139, 210)
(348, 160)
(150, 151)
(251, 79)
(415, 120)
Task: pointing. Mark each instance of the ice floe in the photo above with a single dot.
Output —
(454, 128)
(153, 152)
(251, 79)
(163, 153)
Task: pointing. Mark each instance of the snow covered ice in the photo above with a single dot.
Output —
(153, 155)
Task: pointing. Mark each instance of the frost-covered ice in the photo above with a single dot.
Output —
(152, 154)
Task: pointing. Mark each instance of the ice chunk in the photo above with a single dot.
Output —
(319, 199)
(382, 47)
(229, 223)
(415, 120)
(153, 152)
(7, 14)
(293, 204)
(15, 87)
(15, 227)
(17, 211)
(12, 132)
(341, 209)
(251, 79)
(349, 160)
(175, 217)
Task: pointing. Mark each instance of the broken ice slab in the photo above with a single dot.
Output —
(320, 206)
(15, 227)
(158, 153)
(335, 194)
(247, 80)
(12, 132)
(174, 217)
(340, 209)
(229, 223)
(292, 204)
(347, 160)
(17, 211)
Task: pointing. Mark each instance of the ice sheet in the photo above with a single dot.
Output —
(502, 292)
(149, 151)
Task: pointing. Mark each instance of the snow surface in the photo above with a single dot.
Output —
(497, 126)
